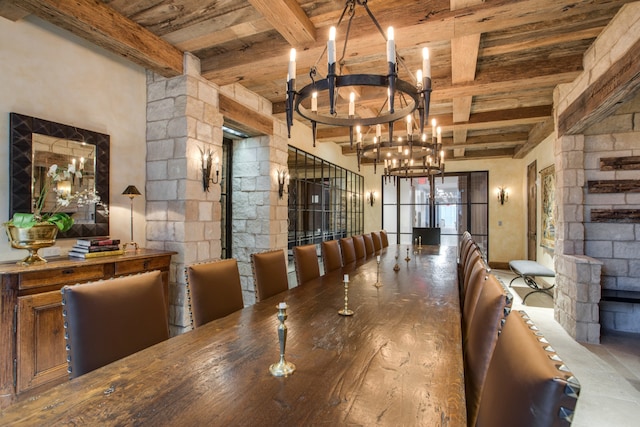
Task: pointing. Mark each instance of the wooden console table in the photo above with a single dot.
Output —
(32, 355)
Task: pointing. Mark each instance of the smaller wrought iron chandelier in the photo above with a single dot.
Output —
(316, 102)
(413, 156)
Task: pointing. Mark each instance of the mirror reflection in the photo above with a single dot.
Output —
(36, 144)
(65, 153)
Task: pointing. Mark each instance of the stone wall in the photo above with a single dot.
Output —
(617, 245)
(584, 250)
(182, 119)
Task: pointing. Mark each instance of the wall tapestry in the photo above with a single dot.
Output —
(548, 187)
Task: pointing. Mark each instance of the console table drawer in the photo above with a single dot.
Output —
(61, 276)
(139, 265)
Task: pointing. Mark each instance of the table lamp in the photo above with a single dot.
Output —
(131, 191)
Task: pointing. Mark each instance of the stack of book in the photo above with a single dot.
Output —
(96, 247)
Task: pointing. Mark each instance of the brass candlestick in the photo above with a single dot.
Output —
(378, 283)
(407, 258)
(346, 311)
(396, 267)
(282, 368)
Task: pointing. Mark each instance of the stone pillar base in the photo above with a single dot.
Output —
(577, 296)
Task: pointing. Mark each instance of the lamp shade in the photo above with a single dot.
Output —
(131, 191)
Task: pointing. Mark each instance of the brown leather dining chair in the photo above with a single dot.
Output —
(305, 259)
(384, 239)
(269, 273)
(540, 392)
(214, 290)
(348, 250)
(377, 241)
(494, 304)
(368, 244)
(358, 245)
(331, 256)
(109, 319)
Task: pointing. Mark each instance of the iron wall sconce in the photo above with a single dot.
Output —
(371, 197)
(283, 177)
(207, 160)
(503, 195)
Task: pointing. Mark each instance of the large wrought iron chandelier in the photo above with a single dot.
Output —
(409, 154)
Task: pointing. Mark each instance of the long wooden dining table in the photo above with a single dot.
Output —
(396, 361)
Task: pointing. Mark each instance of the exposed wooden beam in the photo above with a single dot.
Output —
(536, 136)
(288, 18)
(238, 113)
(12, 12)
(477, 121)
(440, 25)
(101, 25)
(620, 82)
(474, 142)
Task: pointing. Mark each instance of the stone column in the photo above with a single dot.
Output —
(577, 291)
(259, 215)
(183, 118)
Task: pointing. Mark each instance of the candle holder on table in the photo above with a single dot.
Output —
(346, 311)
(378, 283)
(282, 368)
(407, 258)
(396, 267)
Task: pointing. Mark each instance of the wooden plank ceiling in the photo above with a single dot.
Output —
(494, 62)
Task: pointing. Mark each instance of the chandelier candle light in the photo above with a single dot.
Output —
(416, 154)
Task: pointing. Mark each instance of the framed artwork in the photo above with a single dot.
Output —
(548, 190)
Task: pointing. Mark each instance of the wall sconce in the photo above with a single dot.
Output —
(371, 197)
(283, 177)
(207, 159)
(503, 195)
(63, 188)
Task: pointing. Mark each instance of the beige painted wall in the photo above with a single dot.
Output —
(49, 73)
(506, 222)
(543, 155)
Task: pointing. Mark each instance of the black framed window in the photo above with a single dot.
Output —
(225, 198)
(326, 201)
(460, 203)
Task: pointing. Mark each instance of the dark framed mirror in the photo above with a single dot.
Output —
(33, 139)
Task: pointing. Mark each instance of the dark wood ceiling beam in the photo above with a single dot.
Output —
(288, 19)
(440, 25)
(620, 82)
(12, 12)
(477, 121)
(476, 142)
(103, 26)
(538, 134)
(246, 117)
(500, 80)
(497, 153)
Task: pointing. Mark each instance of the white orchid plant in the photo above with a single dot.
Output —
(62, 220)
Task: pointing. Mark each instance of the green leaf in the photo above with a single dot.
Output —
(61, 220)
(23, 220)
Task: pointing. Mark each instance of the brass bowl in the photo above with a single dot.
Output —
(32, 239)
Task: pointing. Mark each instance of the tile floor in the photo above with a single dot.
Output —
(609, 373)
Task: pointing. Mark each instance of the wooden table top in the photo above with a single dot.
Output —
(396, 361)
